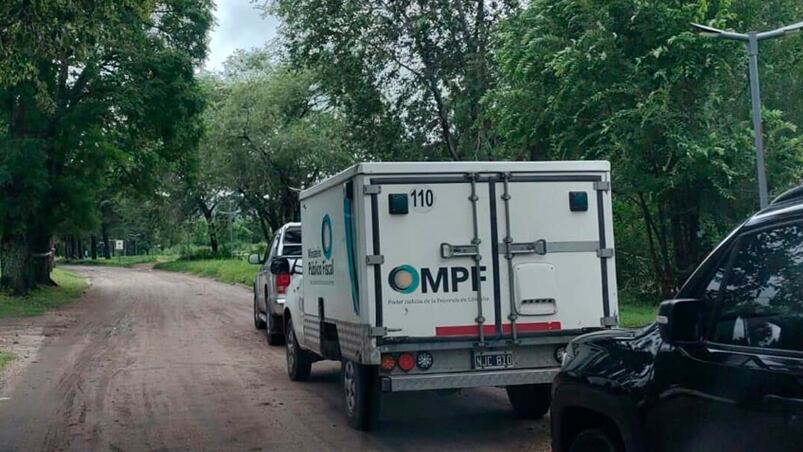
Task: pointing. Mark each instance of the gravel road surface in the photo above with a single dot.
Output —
(150, 360)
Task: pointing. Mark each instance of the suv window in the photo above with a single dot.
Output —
(292, 242)
(761, 301)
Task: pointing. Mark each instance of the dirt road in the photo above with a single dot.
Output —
(152, 360)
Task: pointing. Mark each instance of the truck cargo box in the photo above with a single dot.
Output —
(456, 250)
(480, 270)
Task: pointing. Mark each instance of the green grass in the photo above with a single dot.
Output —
(120, 261)
(42, 300)
(5, 360)
(632, 315)
(225, 270)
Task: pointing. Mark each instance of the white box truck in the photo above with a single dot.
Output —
(430, 276)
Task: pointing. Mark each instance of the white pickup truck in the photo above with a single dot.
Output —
(272, 280)
(429, 276)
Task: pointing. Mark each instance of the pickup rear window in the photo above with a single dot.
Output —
(291, 245)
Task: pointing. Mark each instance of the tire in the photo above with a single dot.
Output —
(595, 440)
(530, 401)
(299, 364)
(258, 323)
(362, 395)
(273, 331)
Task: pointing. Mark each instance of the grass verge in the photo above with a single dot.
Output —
(636, 315)
(120, 261)
(5, 360)
(42, 300)
(224, 270)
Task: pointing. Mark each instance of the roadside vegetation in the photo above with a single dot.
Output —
(5, 360)
(634, 315)
(232, 271)
(37, 302)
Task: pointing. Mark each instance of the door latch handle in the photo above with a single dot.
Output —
(449, 251)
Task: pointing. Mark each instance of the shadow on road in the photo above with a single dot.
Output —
(476, 419)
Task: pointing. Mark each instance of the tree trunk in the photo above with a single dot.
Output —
(16, 271)
(104, 232)
(73, 248)
(685, 227)
(94, 247)
(43, 260)
(213, 242)
(42, 249)
(662, 271)
(80, 248)
(210, 225)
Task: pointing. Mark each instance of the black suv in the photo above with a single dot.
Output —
(720, 370)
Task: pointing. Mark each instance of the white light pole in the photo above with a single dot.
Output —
(752, 39)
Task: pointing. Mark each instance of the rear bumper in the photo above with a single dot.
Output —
(276, 306)
(457, 380)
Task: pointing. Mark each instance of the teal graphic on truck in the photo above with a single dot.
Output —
(319, 260)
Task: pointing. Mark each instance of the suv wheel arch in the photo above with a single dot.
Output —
(581, 408)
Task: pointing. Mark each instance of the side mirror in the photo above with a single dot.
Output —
(279, 265)
(681, 321)
(254, 259)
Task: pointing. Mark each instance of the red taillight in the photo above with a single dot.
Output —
(406, 362)
(282, 281)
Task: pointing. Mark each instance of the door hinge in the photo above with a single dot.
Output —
(608, 322)
(602, 185)
(371, 189)
(605, 253)
(374, 259)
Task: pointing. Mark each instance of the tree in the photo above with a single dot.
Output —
(88, 90)
(628, 81)
(198, 185)
(269, 135)
(408, 75)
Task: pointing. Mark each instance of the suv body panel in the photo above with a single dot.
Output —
(707, 396)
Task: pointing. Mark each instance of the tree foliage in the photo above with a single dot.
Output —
(627, 81)
(408, 75)
(268, 135)
(91, 93)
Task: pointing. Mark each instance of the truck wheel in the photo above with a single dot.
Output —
(363, 399)
(299, 363)
(594, 440)
(530, 401)
(273, 332)
(258, 323)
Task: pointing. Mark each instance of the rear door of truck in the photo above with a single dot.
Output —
(555, 255)
(491, 255)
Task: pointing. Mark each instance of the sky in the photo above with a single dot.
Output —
(239, 26)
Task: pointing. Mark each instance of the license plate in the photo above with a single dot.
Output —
(493, 360)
